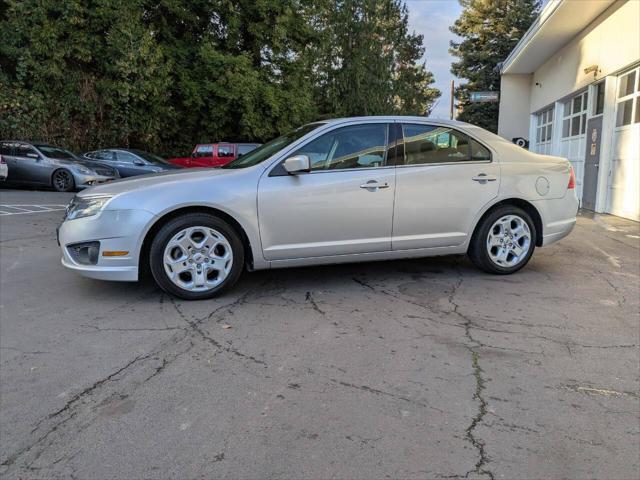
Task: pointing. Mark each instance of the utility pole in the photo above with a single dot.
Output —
(451, 102)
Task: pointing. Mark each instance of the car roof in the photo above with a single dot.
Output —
(396, 118)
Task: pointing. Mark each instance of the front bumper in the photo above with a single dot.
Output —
(86, 181)
(116, 230)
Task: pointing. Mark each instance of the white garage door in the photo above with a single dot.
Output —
(572, 141)
(623, 196)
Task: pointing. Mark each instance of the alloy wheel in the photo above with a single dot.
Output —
(198, 258)
(509, 241)
(62, 180)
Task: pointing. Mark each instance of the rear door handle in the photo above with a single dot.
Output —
(484, 178)
(372, 184)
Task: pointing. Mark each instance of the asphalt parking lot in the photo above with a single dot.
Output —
(404, 369)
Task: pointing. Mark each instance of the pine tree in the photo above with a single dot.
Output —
(489, 29)
(368, 61)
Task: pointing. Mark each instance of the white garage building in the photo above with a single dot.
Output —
(571, 87)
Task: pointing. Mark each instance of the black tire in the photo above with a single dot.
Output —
(173, 227)
(62, 181)
(478, 247)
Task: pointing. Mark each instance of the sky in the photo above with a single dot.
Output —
(432, 18)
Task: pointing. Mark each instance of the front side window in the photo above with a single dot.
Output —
(357, 146)
(204, 151)
(23, 150)
(102, 155)
(225, 151)
(424, 144)
(126, 157)
(574, 117)
(628, 101)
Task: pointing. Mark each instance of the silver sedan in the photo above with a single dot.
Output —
(355, 189)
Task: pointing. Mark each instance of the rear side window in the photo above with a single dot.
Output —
(426, 144)
(357, 146)
(225, 151)
(6, 148)
(204, 151)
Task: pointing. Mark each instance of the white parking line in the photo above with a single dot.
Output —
(25, 209)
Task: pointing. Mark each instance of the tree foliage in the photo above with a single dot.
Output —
(489, 29)
(165, 74)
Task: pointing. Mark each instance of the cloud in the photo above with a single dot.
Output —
(432, 19)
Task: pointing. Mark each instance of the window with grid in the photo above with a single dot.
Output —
(544, 126)
(628, 99)
(574, 116)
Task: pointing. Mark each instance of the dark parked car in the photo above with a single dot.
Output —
(41, 164)
(130, 162)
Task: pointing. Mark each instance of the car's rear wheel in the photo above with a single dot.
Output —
(196, 256)
(504, 241)
(62, 181)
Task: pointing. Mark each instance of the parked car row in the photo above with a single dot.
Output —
(40, 164)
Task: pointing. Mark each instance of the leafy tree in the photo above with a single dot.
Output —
(367, 60)
(165, 74)
(489, 29)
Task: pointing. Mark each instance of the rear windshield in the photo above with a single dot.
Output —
(267, 150)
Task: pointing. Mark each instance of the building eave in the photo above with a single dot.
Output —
(558, 23)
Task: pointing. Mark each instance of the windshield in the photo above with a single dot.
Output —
(260, 154)
(150, 157)
(56, 152)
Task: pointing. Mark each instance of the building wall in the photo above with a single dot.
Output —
(612, 42)
(515, 97)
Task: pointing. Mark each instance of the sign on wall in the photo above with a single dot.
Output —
(484, 97)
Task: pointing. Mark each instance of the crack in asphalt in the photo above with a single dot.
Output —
(309, 298)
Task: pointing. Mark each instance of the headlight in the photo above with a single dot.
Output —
(84, 170)
(85, 207)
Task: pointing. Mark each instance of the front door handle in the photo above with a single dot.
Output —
(484, 178)
(372, 185)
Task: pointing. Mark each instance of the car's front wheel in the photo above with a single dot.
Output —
(62, 181)
(196, 256)
(504, 241)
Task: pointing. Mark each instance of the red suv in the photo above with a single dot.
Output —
(214, 154)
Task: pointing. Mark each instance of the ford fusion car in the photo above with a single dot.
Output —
(354, 189)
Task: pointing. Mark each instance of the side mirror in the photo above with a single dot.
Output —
(193, 155)
(297, 164)
(138, 162)
(33, 155)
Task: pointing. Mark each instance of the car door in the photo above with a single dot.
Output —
(225, 153)
(343, 205)
(29, 166)
(202, 156)
(125, 163)
(445, 180)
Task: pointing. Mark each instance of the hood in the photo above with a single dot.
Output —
(167, 179)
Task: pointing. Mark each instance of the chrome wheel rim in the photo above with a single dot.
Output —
(62, 180)
(198, 259)
(509, 241)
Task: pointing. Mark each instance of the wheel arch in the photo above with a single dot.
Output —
(143, 258)
(528, 207)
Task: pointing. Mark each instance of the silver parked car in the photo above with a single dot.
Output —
(39, 164)
(355, 189)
